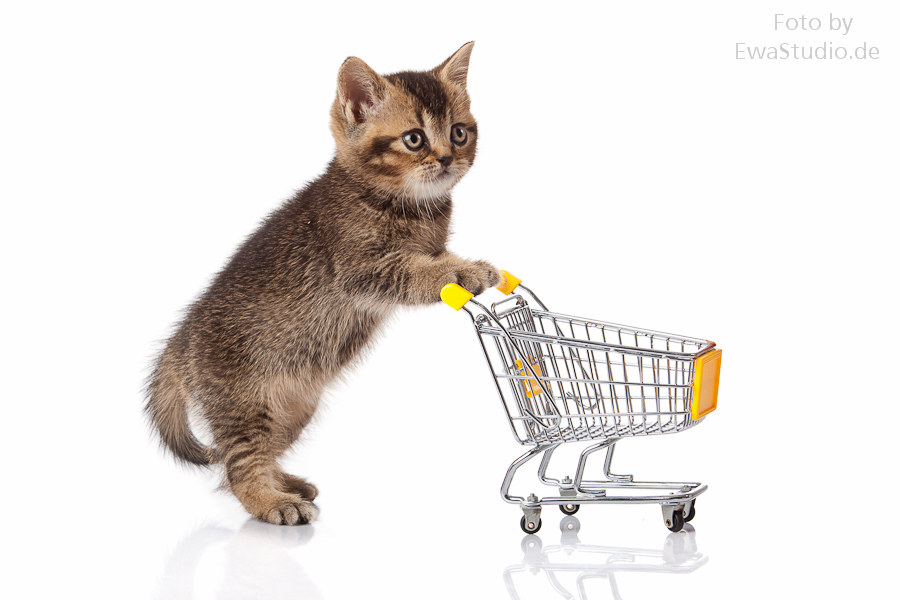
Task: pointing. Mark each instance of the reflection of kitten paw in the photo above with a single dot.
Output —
(478, 276)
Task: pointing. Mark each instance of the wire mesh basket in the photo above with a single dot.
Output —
(565, 378)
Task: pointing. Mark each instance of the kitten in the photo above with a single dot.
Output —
(305, 293)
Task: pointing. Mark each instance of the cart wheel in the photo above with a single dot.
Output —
(676, 522)
(524, 526)
(691, 514)
(569, 509)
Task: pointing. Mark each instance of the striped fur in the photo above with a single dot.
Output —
(304, 295)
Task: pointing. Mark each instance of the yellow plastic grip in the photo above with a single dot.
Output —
(455, 296)
(508, 283)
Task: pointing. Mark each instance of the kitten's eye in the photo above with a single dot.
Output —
(414, 140)
(458, 135)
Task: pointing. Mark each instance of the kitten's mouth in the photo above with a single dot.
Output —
(430, 185)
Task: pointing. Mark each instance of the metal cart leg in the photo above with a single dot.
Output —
(507, 481)
(545, 462)
(677, 500)
(582, 461)
(608, 462)
(531, 507)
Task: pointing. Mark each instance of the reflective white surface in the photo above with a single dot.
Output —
(175, 537)
(259, 560)
(629, 169)
(571, 565)
(254, 560)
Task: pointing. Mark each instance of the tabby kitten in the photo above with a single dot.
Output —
(304, 294)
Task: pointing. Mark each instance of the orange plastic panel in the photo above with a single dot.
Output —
(706, 384)
(532, 387)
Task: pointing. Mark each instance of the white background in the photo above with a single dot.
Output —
(630, 169)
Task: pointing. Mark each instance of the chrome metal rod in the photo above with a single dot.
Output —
(589, 381)
(582, 460)
(626, 329)
(595, 499)
(542, 338)
(545, 462)
(608, 463)
(487, 359)
(507, 481)
(536, 299)
(637, 485)
(554, 420)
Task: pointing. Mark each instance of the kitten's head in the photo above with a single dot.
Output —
(409, 135)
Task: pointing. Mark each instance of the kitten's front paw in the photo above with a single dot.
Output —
(478, 276)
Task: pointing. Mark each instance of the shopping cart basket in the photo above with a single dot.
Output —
(565, 379)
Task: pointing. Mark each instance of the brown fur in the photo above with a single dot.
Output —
(305, 293)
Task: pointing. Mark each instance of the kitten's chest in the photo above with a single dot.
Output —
(356, 328)
(424, 235)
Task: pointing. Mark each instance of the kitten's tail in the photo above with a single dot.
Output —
(166, 408)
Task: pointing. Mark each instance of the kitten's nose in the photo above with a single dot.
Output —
(445, 160)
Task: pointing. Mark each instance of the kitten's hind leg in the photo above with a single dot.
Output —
(258, 488)
(298, 485)
(253, 476)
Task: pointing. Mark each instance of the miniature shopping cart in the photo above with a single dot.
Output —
(565, 379)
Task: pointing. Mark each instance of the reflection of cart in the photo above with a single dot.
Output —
(574, 563)
(565, 379)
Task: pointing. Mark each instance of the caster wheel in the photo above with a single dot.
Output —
(691, 514)
(569, 509)
(535, 526)
(676, 523)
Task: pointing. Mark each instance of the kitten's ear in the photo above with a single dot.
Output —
(360, 90)
(456, 68)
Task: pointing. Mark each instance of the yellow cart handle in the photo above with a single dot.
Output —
(508, 282)
(456, 296)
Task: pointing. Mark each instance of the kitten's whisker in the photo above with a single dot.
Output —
(403, 198)
(428, 207)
